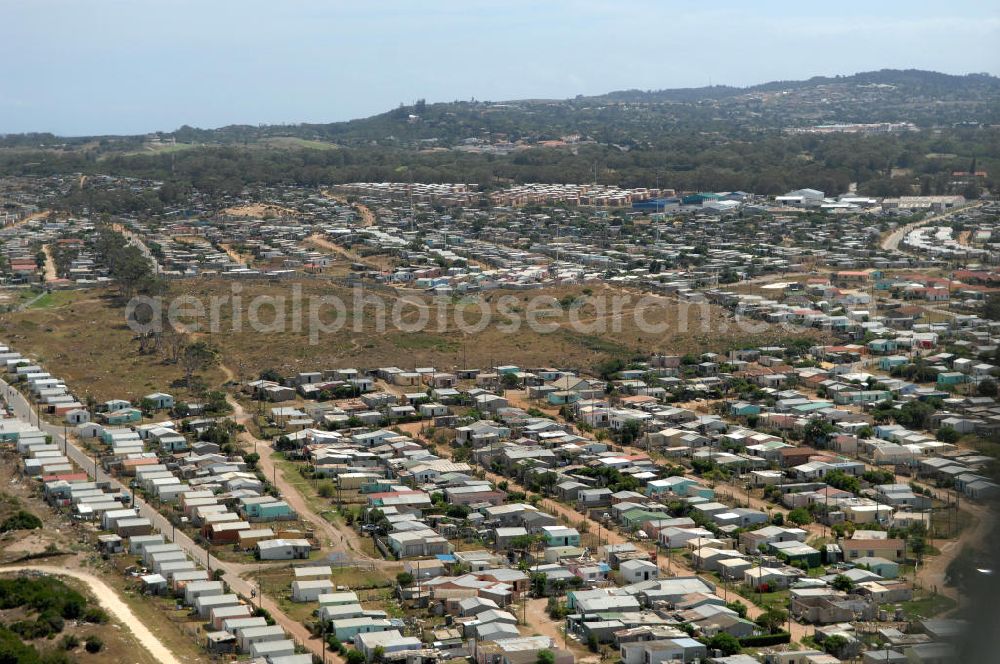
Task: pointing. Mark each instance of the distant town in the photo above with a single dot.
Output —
(800, 469)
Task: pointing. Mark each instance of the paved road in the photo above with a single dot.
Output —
(110, 600)
(892, 240)
(231, 571)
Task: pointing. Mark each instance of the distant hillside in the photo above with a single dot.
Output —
(761, 138)
(633, 117)
(629, 118)
(915, 82)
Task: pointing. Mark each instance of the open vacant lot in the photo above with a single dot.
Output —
(85, 335)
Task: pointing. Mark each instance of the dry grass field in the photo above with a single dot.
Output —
(84, 339)
(259, 211)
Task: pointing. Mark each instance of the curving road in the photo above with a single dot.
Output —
(892, 240)
(110, 600)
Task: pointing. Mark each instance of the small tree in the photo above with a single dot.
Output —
(404, 579)
(546, 656)
(834, 644)
(772, 619)
(841, 582)
(196, 357)
(539, 580)
(739, 607)
(987, 388)
(800, 516)
(20, 520)
(355, 657)
(727, 643)
(948, 434)
(93, 644)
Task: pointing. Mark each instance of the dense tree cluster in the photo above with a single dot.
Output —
(766, 163)
(714, 139)
(128, 266)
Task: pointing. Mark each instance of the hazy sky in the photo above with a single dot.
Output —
(129, 66)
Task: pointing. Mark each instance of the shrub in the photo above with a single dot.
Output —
(763, 640)
(739, 607)
(44, 594)
(70, 642)
(841, 582)
(55, 657)
(834, 644)
(947, 434)
(355, 657)
(265, 614)
(800, 516)
(95, 614)
(94, 644)
(14, 650)
(20, 520)
(772, 619)
(45, 626)
(727, 643)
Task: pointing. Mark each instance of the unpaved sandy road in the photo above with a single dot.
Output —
(110, 600)
(50, 265)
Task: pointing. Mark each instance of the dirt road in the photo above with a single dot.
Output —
(332, 539)
(236, 256)
(321, 242)
(537, 621)
(50, 265)
(368, 217)
(110, 600)
(29, 217)
(931, 574)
